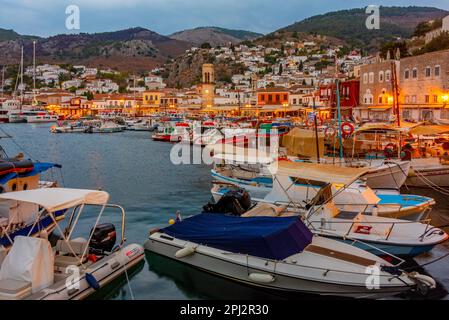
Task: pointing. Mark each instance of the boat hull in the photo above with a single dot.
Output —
(240, 273)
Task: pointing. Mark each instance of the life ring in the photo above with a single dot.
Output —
(329, 135)
(312, 123)
(347, 129)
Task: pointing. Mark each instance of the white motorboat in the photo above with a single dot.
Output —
(428, 172)
(302, 183)
(35, 116)
(73, 268)
(378, 235)
(280, 254)
(107, 127)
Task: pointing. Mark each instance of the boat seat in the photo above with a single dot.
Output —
(14, 289)
(264, 210)
(64, 256)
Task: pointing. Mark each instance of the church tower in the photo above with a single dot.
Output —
(208, 85)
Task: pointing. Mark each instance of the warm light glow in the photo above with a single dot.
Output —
(445, 98)
(390, 99)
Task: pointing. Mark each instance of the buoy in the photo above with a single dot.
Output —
(184, 252)
(93, 283)
(261, 277)
(171, 221)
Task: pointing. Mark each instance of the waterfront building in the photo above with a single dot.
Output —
(424, 87)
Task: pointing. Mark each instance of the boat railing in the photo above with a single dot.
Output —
(353, 223)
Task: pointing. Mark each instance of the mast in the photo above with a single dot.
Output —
(34, 72)
(316, 131)
(21, 78)
(395, 86)
(337, 85)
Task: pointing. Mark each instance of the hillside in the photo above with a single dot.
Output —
(134, 49)
(349, 25)
(214, 36)
(6, 35)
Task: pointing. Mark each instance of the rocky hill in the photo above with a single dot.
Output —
(349, 25)
(214, 36)
(134, 49)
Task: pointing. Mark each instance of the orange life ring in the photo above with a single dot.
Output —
(347, 128)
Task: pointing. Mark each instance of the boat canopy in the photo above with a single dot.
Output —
(429, 130)
(369, 127)
(302, 142)
(327, 173)
(266, 237)
(55, 199)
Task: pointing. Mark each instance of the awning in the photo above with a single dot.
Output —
(379, 108)
(428, 130)
(327, 173)
(377, 127)
(55, 199)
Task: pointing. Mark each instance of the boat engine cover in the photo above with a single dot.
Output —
(104, 237)
(235, 202)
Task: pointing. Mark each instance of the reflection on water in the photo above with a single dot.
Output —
(137, 173)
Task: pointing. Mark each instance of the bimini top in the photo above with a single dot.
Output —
(55, 199)
(266, 237)
(327, 173)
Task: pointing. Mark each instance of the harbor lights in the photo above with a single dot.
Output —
(445, 98)
(390, 100)
(285, 105)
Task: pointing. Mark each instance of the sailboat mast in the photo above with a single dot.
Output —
(34, 71)
(21, 79)
(337, 85)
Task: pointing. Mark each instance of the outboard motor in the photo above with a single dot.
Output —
(235, 202)
(103, 238)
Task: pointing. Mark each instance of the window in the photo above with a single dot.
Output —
(371, 77)
(278, 97)
(415, 73)
(365, 78)
(380, 99)
(262, 97)
(444, 114)
(294, 101)
(407, 99)
(270, 97)
(388, 75)
(428, 72)
(381, 76)
(407, 74)
(413, 99)
(435, 98)
(437, 71)
(285, 97)
(427, 98)
(406, 114)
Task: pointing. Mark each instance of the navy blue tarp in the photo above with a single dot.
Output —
(266, 237)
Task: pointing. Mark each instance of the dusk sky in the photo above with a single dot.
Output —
(47, 17)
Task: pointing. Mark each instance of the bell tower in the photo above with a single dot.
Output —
(208, 85)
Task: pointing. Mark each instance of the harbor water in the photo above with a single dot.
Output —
(138, 174)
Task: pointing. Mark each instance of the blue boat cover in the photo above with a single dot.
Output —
(38, 167)
(266, 237)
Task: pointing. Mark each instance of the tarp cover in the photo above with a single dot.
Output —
(266, 237)
(301, 142)
(30, 260)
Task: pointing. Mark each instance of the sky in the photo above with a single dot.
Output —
(48, 17)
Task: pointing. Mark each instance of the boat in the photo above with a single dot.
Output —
(305, 183)
(72, 268)
(279, 254)
(106, 127)
(178, 133)
(35, 116)
(378, 235)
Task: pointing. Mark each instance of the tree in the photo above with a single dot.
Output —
(393, 47)
(72, 89)
(206, 45)
(89, 96)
